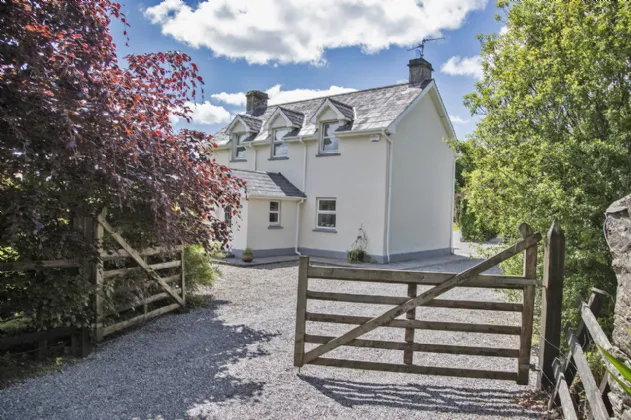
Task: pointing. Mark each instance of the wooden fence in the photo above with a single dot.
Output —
(117, 303)
(441, 282)
(575, 363)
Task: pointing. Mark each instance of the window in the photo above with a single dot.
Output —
(329, 143)
(274, 213)
(227, 215)
(239, 146)
(326, 213)
(279, 147)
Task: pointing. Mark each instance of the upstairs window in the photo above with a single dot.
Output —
(327, 213)
(239, 146)
(279, 146)
(274, 213)
(329, 141)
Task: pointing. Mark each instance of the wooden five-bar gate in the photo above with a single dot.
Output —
(441, 282)
(117, 304)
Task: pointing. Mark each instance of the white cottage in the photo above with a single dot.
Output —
(318, 170)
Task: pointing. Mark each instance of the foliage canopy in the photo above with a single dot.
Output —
(81, 130)
(555, 138)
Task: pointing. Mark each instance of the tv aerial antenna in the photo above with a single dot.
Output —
(420, 48)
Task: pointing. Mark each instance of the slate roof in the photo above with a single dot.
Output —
(268, 184)
(346, 110)
(373, 109)
(253, 123)
(296, 118)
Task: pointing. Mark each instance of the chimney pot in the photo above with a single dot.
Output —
(256, 99)
(420, 70)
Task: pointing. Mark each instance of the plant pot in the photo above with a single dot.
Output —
(247, 258)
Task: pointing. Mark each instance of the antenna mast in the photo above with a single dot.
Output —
(420, 48)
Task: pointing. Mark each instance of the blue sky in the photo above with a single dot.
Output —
(295, 49)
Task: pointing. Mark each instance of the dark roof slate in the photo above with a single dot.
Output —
(373, 109)
(268, 184)
(296, 118)
(344, 109)
(253, 123)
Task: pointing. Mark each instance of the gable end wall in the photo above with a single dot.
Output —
(422, 189)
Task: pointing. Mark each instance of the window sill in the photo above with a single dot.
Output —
(279, 158)
(325, 230)
(327, 154)
(238, 160)
(274, 227)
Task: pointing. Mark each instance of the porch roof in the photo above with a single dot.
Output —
(268, 184)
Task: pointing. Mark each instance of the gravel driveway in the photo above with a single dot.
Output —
(233, 360)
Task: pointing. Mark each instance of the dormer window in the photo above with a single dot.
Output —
(329, 142)
(279, 146)
(239, 146)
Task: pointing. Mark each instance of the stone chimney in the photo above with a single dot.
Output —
(420, 70)
(256, 99)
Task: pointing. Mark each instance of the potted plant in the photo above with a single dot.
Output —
(247, 255)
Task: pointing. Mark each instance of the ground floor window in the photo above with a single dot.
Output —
(327, 216)
(274, 213)
(227, 215)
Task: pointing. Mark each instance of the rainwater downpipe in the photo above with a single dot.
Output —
(389, 195)
(251, 146)
(453, 203)
(299, 204)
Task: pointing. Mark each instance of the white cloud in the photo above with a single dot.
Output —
(457, 120)
(300, 31)
(235, 99)
(463, 66)
(504, 30)
(205, 113)
(279, 96)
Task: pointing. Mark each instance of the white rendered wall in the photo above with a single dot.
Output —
(421, 182)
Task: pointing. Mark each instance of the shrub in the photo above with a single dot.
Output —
(473, 228)
(199, 267)
(357, 254)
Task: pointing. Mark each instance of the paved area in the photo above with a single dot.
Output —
(233, 360)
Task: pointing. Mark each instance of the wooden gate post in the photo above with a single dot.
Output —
(183, 275)
(301, 311)
(408, 353)
(551, 304)
(528, 302)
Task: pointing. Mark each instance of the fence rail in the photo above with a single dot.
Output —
(114, 310)
(406, 306)
(587, 330)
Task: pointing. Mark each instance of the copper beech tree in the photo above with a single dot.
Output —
(81, 130)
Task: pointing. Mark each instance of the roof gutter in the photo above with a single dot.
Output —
(388, 194)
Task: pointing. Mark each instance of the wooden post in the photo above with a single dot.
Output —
(97, 280)
(551, 305)
(301, 311)
(528, 302)
(183, 277)
(408, 353)
(80, 343)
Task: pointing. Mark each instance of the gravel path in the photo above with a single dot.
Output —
(233, 360)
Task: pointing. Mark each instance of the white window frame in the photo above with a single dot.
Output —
(227, 215)
(274, 224)
(238, 143)
(322, 138)
(278, 142)
(319, 212)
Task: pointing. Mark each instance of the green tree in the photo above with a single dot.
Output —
(555, 137)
